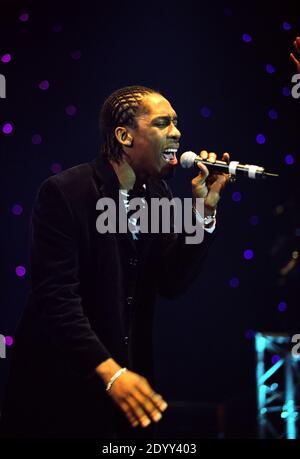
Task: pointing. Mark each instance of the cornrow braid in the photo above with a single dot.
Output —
(120, 109)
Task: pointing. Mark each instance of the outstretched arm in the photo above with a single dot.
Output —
(295, 56)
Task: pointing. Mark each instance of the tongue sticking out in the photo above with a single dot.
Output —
(169, 157)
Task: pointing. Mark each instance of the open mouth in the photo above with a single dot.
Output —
(169, 155)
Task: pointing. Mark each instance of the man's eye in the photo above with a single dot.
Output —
(164, 123)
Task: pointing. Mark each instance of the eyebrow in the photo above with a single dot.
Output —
(165, 117)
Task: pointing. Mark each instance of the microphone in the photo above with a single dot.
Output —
(190, 159)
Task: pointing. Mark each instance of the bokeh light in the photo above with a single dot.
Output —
(24, 17)
(286, 91)
(247, 38)
(36, 139)
(248, 254)
(289, 160)
(282, 306)
(270, 68)
(273, 115)
(254, 220)
(6, 58)
(249, 334)
(56, 168)
(234, 282)
(260, 139)
(236, 196)
(20, 271)
(44, 85)
(286, 26)
(17, 209)
(7, 128)
(76, 55)
(71, 110)
(205, 112)
(9, 340)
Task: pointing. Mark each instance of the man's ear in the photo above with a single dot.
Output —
(123, 136)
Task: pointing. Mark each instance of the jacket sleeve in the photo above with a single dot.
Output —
(179, 263)
(55, 281)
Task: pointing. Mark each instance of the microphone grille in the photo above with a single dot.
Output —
(187, 159)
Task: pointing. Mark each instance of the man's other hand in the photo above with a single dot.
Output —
(133, 394)
(295, 56)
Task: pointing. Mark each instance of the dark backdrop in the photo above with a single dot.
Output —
(195, 54)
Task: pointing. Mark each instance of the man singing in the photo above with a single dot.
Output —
(82, 362)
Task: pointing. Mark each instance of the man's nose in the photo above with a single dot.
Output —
(174, 132)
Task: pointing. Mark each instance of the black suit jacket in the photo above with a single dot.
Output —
(92, 298)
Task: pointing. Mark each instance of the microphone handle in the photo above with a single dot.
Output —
(236, 168)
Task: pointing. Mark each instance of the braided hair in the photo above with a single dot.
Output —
(120, 109)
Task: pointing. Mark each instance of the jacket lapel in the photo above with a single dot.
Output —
(108, 186)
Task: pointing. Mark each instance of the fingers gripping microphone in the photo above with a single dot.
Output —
(190, 159)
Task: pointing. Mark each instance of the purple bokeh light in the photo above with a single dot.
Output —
(275, 359)
(282, 306)
(247, 38)
(234, 282)
(248, 254)
(71, 110)
(289, 160)
(24, 17)
(236, 196)
(249, 334)
(273, 115)
(44, 85)
(76, 54)
(286, 91)
(36, 139)
(17, 209)
(8, 340)
(270, 69)
(56, 168)
(286, 26)
(6, 58)
(205, 112)
(260, 139)
(7, 128)
(20, 271)
(254, 220)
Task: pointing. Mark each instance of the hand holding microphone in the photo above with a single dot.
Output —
(205, 185)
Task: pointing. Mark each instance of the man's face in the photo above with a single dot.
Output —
(155, 139)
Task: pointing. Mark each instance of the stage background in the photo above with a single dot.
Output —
(225, 68)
